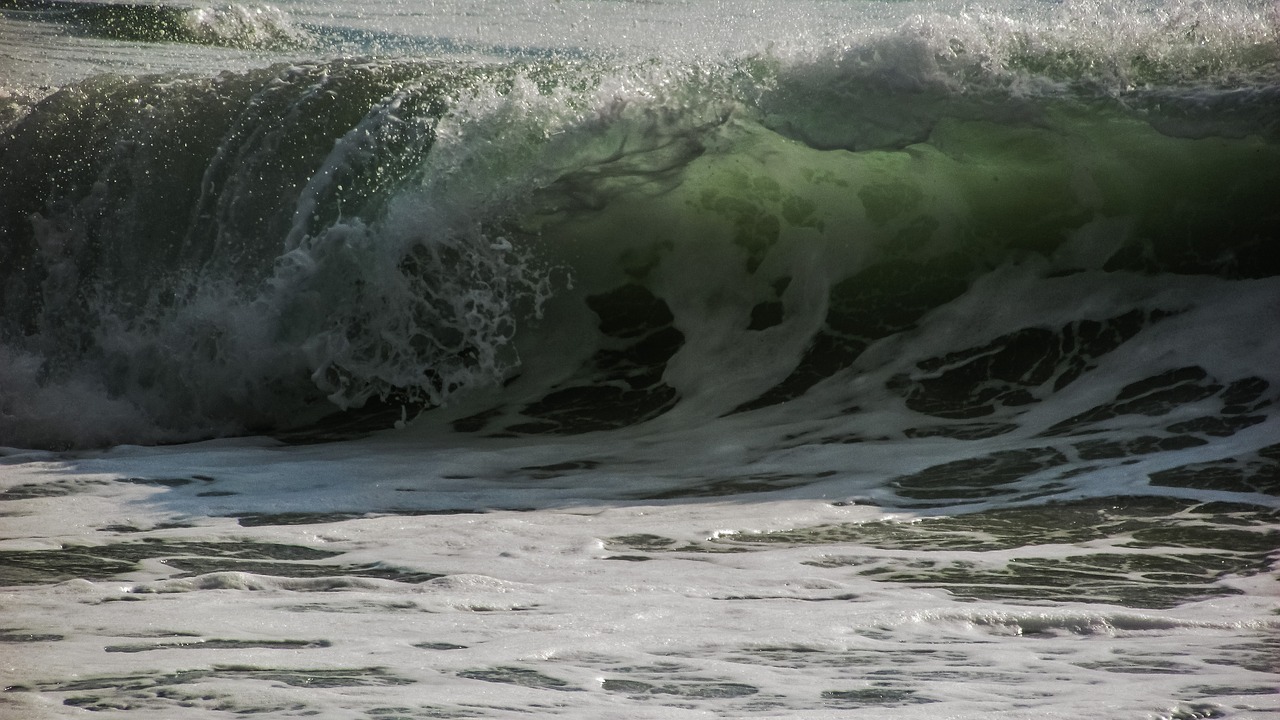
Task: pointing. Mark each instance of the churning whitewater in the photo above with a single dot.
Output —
(612, 359)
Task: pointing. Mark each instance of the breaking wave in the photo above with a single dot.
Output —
(255, 251)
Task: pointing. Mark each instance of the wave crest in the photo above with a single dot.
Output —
(242, 26)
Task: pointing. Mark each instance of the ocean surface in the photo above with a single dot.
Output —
(640, 359)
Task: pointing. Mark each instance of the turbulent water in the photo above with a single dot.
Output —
(613, 359)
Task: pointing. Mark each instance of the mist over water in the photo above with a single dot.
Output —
(655, 359)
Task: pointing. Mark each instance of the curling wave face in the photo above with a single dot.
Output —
(596, 244)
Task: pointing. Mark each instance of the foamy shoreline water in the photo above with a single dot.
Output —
(648, 610)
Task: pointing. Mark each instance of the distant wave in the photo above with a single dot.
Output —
(230, 25)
